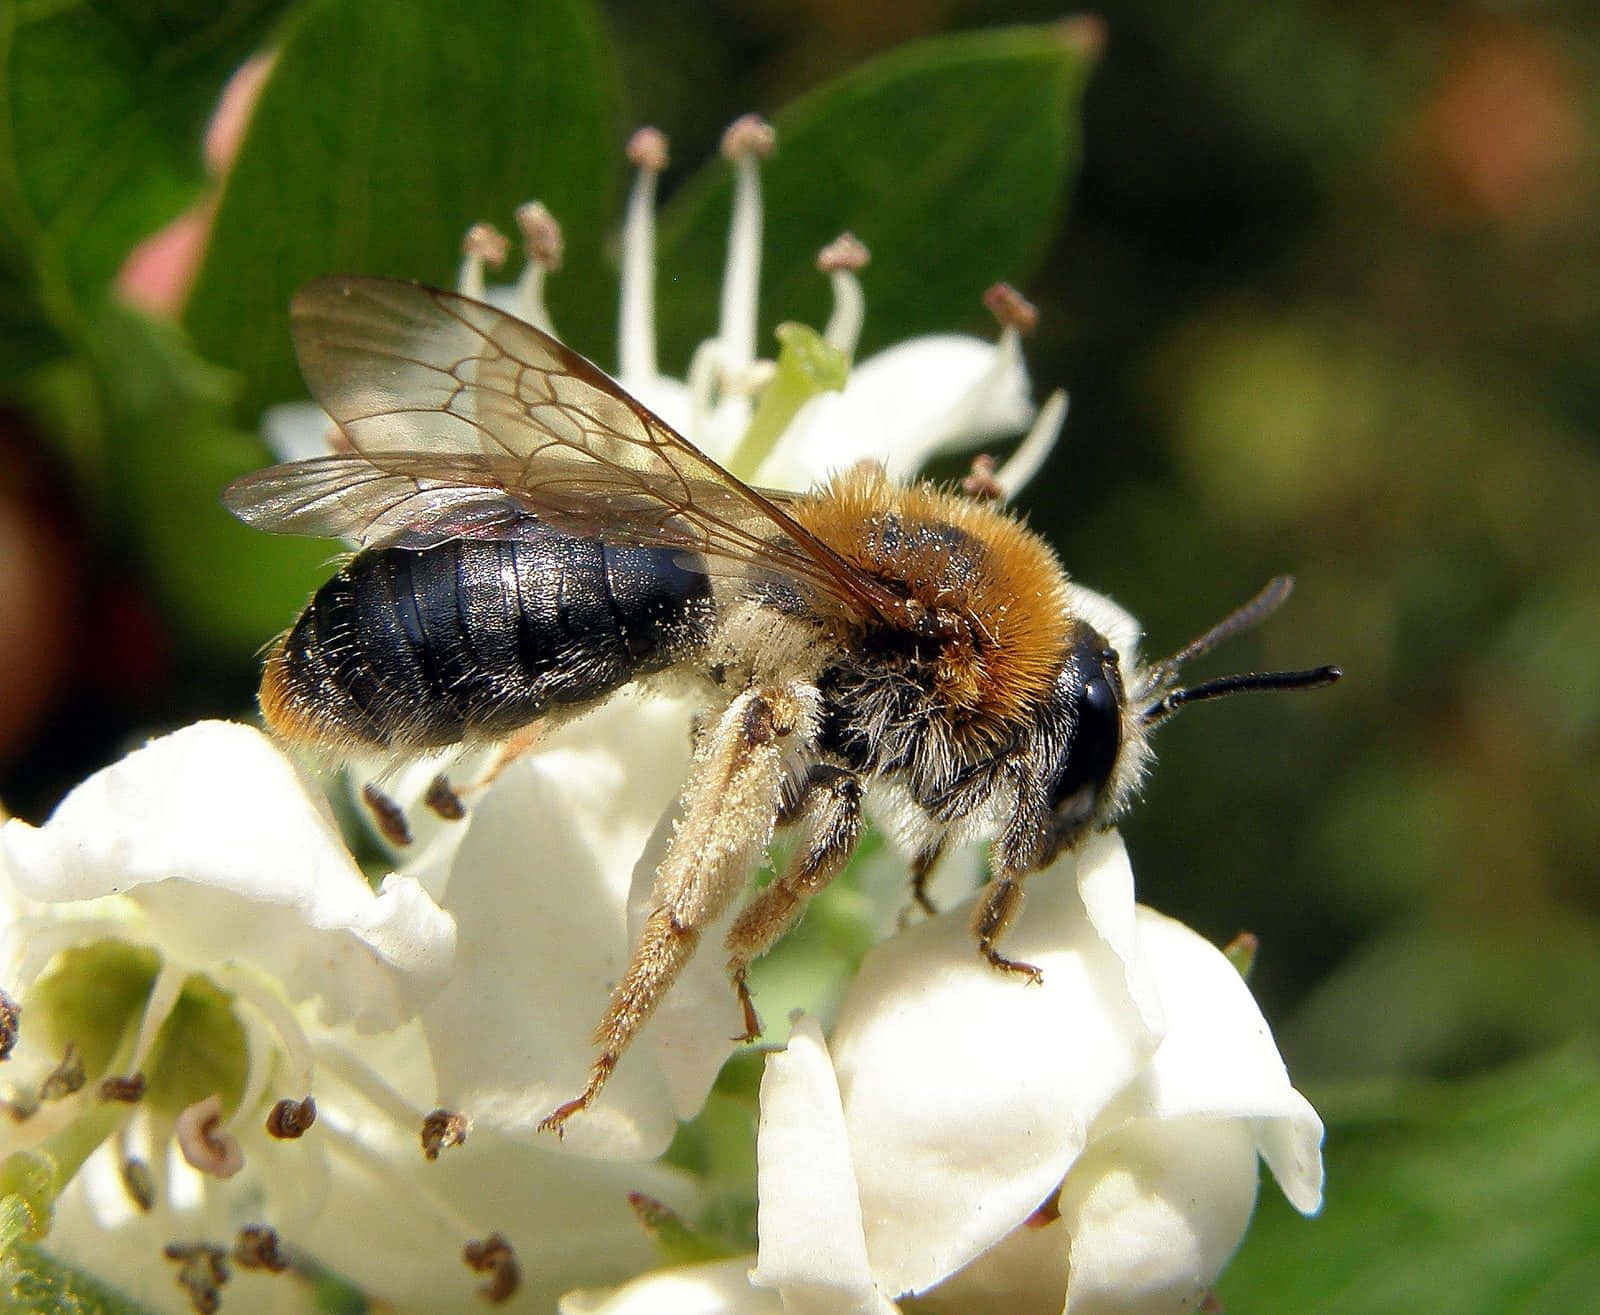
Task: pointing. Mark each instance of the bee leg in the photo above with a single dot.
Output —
(921, 869)
(1002, 898)
(729, 807)
(830, 815)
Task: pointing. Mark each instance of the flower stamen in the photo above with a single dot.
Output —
(441, 1130)
(636, 323)
(748, 140)
(543, 245)
(205, 1146)
(291, 1119)
(493, 1256)
(483, 245)
(840, 260)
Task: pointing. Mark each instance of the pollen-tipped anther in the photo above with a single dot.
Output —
(542, 243)
(636, 319)
(290, 1119)
(845, 253)
(748, 135)
(1010, 308)
(840, 260)
(541, 234)
(483, 245)
(748, 140)
(202, 1141)
(647, 150)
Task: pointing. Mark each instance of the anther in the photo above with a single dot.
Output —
(205, 1146)
(65, 1078)
(979, 483)
(389, 817)
(10, 1024)
(289, 1119)
(202, 1270)
(487, 243)
(748, 135)
(256, 1247)
(493, 1256)
(647, 149)
(128, 1088)
(541, 235)
(138, 1183)
(443, 800)
(845, 252)
(441, 1130)
(1010, 308)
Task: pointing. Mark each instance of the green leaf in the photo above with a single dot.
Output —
(1471, 1199)
(231, 586)
(384, 132)
(102, 108)
(948, 158)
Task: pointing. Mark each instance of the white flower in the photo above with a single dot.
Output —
(1088, 1145)
(189, 923)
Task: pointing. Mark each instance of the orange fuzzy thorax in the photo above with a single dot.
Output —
(963, 558)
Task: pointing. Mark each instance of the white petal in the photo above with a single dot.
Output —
(813, 1248)
(212, 834)
(539, 887)
(721, 1287)
(1152, 1214)
(1105, 883)
(1218, 1058)
(927, 395)
(967, 1092)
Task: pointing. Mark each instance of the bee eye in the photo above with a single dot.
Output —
(1096, 735)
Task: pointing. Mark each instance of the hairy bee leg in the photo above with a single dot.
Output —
(1002, 898)
(921, 869)
(730, 805)
(831, 817)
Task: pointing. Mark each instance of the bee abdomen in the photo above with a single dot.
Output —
(474, 639)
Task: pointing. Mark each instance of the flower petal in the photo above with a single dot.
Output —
(1152, 1213)
(939, 393)
(1218, 1058)
(721, 1287)
(813, 1247)
(210, 832)
(539, 888)
(968, 1093)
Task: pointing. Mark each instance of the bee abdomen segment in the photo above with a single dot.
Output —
(475, 639)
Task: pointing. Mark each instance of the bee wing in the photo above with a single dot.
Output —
(465, 422)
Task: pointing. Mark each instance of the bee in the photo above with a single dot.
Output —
(531, 539)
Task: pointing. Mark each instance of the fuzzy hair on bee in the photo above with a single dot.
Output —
(531, 539)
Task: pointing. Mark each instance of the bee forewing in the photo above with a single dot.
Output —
(466, 422)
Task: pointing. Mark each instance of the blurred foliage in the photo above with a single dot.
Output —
(1326, 296)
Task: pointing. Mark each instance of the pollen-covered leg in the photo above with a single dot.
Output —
(730, 804)
(830, 822)
(1001, 900)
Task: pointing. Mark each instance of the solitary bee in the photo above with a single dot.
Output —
(532, 539)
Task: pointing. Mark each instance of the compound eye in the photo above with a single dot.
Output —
(1096, 739)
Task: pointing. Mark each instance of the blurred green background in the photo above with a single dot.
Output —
(1323, 281)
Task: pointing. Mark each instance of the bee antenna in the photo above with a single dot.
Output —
(1273, 595)
(1244, 683)
(1162, 678)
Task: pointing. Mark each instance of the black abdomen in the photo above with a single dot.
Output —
(418, 649)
